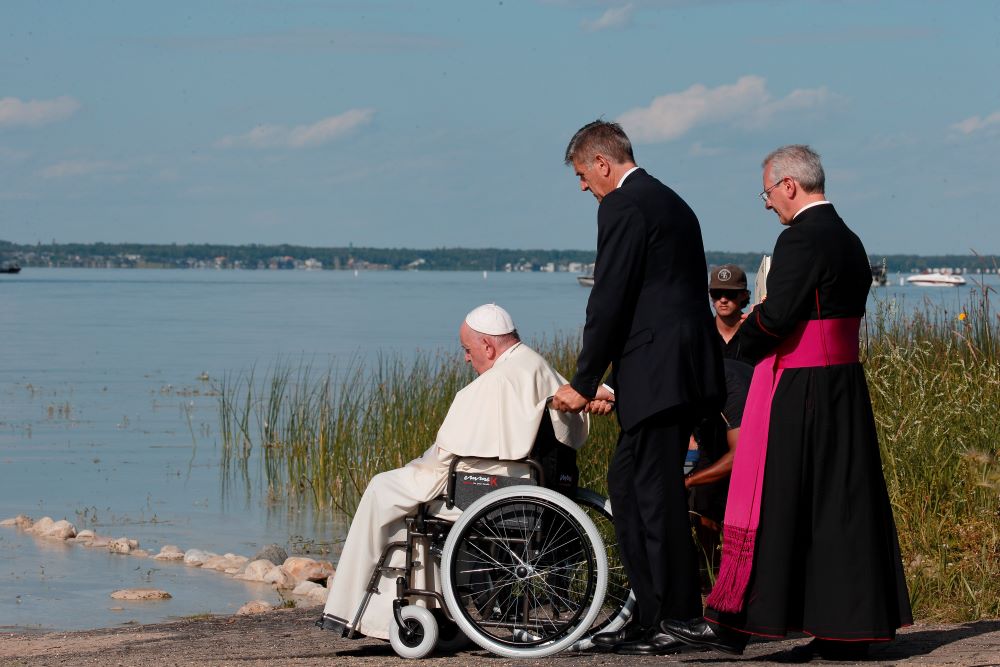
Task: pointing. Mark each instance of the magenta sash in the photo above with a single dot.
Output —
(812, 343)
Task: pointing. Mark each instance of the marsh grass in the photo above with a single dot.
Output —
(316, 436)
(934, 379)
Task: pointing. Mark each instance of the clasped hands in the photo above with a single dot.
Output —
(567, 399)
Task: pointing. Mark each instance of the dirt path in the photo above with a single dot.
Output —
(288, 637)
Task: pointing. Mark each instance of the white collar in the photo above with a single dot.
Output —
(506, 353)
(815, 203)
(624, 176)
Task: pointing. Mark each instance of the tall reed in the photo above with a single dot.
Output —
(934, 379)
(317, 436)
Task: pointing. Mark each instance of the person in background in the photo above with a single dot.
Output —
(809, 541)
(708, 482)
(727, 288)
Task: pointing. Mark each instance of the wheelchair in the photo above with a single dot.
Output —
(525, 569)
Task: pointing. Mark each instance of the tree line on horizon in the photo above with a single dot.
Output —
(433, 259)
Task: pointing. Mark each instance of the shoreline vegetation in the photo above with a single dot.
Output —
(285, 256)
(306, 435)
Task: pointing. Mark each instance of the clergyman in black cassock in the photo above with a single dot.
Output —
(826, 560)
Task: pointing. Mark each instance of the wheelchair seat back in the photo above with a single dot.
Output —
(471, 486)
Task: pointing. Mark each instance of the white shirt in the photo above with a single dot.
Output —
(625, 176)
(815, 203)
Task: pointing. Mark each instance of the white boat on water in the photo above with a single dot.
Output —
(585, 281)
(936, 280)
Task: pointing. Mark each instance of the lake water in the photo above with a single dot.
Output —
(108, 416)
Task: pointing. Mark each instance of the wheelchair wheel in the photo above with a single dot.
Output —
(524, 572)
(619, 601)
(419, 635)
(451, 639)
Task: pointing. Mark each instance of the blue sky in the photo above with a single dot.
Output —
(443, 123)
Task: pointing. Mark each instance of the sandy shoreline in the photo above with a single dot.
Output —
(288, 637)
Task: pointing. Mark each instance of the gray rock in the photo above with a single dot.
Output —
(256, 570)
(61, 530)
(169, 552)
(278, 577)
(121, 545)
(271, 552)
(254, 607)
(195, 557)
(40, 526)
(21, 521)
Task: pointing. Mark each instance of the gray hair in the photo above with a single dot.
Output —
(799, 162)
(603, 137)
(503, 341)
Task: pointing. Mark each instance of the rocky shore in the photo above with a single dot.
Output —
(260, 634)
(301, 581)
(288, 637)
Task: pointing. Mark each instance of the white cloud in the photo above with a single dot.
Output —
(300, 136)
(82, 168)
(14, 111)
(700, 150)
(615, 17)
(976, 123)
(746, 102)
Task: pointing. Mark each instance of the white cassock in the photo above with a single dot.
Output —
(496, 415)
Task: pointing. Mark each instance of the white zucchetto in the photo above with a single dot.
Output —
(490, 319)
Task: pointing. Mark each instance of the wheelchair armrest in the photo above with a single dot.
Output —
(536, 469)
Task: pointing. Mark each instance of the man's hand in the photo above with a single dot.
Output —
(567, 399)
(599, 407)
(603, 402)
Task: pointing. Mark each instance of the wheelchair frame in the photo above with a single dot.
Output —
(417, 527)
(434, 532)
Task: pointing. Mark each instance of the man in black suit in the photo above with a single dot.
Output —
(648, 319)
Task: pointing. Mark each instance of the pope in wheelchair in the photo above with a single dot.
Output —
(501, 415)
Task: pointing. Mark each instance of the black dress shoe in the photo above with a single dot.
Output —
(653, 642)
(699, 632)
(629, 632)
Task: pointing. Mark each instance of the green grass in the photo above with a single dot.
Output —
(310, 436)
(935, 385)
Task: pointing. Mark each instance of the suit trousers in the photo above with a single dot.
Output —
(649, 501)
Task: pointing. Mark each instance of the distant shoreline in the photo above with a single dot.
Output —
(350, 258)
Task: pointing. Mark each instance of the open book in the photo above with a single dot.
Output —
(760, 284)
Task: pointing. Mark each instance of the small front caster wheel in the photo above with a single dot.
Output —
(418, 636)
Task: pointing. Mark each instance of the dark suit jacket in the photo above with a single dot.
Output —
(648, 316)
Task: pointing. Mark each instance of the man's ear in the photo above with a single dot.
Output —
(491, 352)
(602, 164)
(791, 186)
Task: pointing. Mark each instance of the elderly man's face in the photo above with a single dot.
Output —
(478, 350)
(595, 176)
(777, 197)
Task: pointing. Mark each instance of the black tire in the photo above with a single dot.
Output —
(524, 572)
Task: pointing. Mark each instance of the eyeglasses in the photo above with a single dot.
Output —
(766, 194)
(731, 294)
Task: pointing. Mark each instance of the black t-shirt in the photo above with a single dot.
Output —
(712, 434)
(733, 349)
(710, 499)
